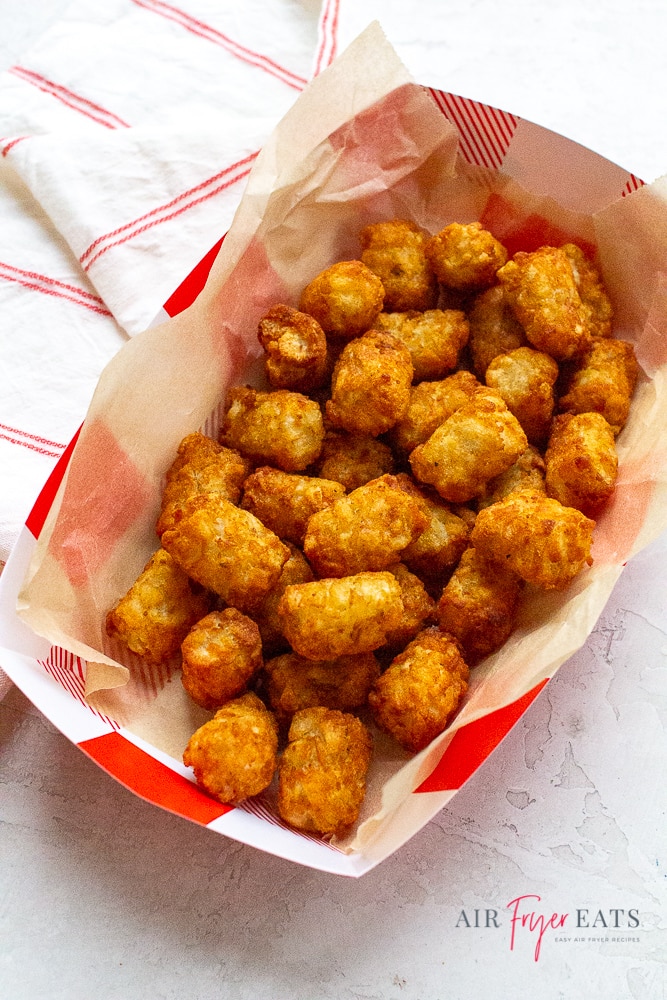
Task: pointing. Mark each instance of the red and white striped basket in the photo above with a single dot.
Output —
(53, 678)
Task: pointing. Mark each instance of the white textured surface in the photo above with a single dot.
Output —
(105, 896)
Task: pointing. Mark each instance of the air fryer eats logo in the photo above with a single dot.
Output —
(531, 922)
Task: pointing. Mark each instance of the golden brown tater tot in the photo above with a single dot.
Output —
(296, 349)
(234, 754)
(370, 386)
(322, 772)
(541, 290)
(581, 461)
(536, 537)
(345, 299)
(479, 441)
(220, 654)
(417, 695)
(155, 614)
(329, 618)
(365, 530)
(478, 605)
(395, 252)
(227, 550)
(465, 256)
(434, 338)
(280, 428)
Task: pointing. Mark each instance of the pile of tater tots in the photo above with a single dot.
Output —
(437, 436)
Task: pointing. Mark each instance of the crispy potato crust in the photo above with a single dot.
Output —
(202, 465)
(479, 441)
(296, 683)
(296, 349)
(234, 755)
(527, 473)
(591, 291)
(154, 616)
(280, 428)
(365, 530)
(603, 382)
(417, 695)
(345, 299)
(542, 291)
(536, 537)
(322, 774)
(370, 386)
(353, 459)
(284, 501)
(418, 607)
(494, 329)
(395, 252)
(465, 256)
(429, 406)
(220, 654)
(295, 570)
(581, 461)
(227, 550)
(525, 379)
(434, 338)
(433, 555)
(329, 618)
(478, 605)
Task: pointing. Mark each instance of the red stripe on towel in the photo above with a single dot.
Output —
(202, 30)
(170, 210)
(75, 101)
(52, 286)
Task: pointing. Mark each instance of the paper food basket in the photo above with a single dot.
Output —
(364, 142)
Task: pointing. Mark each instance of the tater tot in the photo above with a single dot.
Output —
(202, 465)
(234, 754)
(478, 605)
(581, 461)
(353, 459)
(429, 406)
(220, 654)
(296, 349)
(395, 252)
(345, 299)
(370, 385)
(365, 530)
(479, 441)
(418, 607)
(541, 289)
(227, 550)
(603, 382)
(536, 537)
(156, 613)
(591, 291)
(322, 772)
(284, 501)
(525, 378)
(417, 695)
(295, 570)
(527, 473)
(434, 338)
(295, 683)
(494, 329)
(280, 428)
(436, 551)
(465, 256)
(329, 618)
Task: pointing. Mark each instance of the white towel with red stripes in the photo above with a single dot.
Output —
(126, 136)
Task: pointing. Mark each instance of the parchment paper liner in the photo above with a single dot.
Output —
(364, 142)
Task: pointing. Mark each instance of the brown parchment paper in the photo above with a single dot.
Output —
(364, 142)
